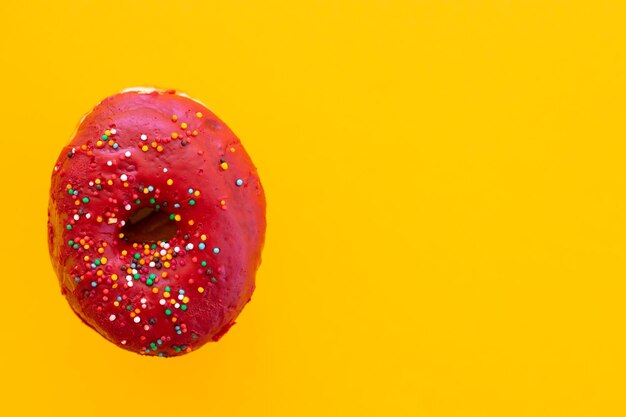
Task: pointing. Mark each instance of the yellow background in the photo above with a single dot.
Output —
(446, 206)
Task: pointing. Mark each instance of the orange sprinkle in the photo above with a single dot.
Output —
(174, 135)
(194, 133)
(200, 290)
(224, 166)
(145, 148)
(174, 117)
(160, 148)
(153, 144)
(170, 181)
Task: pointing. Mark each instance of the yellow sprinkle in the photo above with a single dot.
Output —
(183, 125)
(86, 247)
(174, 117)
(223, 202)
(185, 300)
(100, 250)
(166, 264)
(224, 166)
(172, 301)
(124, 252)
(116, 303)
(174, 135)
(125, 184)
(200, 290)
(111, 142)
(68, 186)
(168, 257)
(145, 148)
(155, 290)
(97, 181)
(110, 182)
(107, 132)
(99, 144)
(170, 181)
(104, 260)
(166, 294)
(177, 217)
(232, 149)
(86, 258)
(146, 191)
(114, 286)
(203, 237)
(114, 277)
(198, 115)
(164, 274)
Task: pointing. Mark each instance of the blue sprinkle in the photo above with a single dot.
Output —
(190, 191)
(150, 188)
(239, 182)
(94, 284)
(176, 205)
(115, 146)
(119, 298)
(75, 192)
(216, 250)
(201, 246)
(181, 291)
(77, 279)
(93, 266)
(159, 342)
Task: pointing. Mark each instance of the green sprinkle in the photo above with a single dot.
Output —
(70, 242)
(203, 263)
(70, 191)
(104, 137)
(149, 281)
(152, 201)
(85, 200)
(192, 202)
(137, 256)
(97, 262)
(138, 201)
(168, 312)
(167, 289)
(183, 307)
(136, 276)
(69, 227)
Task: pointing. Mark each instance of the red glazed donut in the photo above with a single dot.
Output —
(156, 223)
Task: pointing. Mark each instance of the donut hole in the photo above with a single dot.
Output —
(148, 225)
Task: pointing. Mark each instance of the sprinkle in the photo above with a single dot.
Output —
(239, 182)
(124, 177)
(224, 166)
(137, 319)
(198, 115)
(112, 317)
(109, 163)
(144, 137)
(170, 181)
(189, 246)
(145, 148)
(127, 154)
(168, 312)
(192, 202)
(164, 169)
(174, 118)
(200, 290)
(113, 131)
(85, 200)
(216, 250)
(174, 135)
(183, 125)
(201, 246)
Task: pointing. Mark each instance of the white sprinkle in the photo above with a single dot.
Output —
(144, 306)
(56, 167)
(127, 154)
(127, 207)
(180, 297)
(166, 246)
(189, 246)
(176, 249)
(123, 342)
(177, 305)
(129, 277)
(76, 217)
(123, 177)
(143, 301)
(162, 301)
(164, 169)
(112, 317)
(146, 327)
(109, 163)
(113, 131)
(88, 215)
(130, 284)
(73, 150)
(151, 264)
(144, 137)
(91, 183)
(134, 271)
(137, 319)
(122, 223)
(163, 252)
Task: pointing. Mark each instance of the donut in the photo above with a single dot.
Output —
(156, 222)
